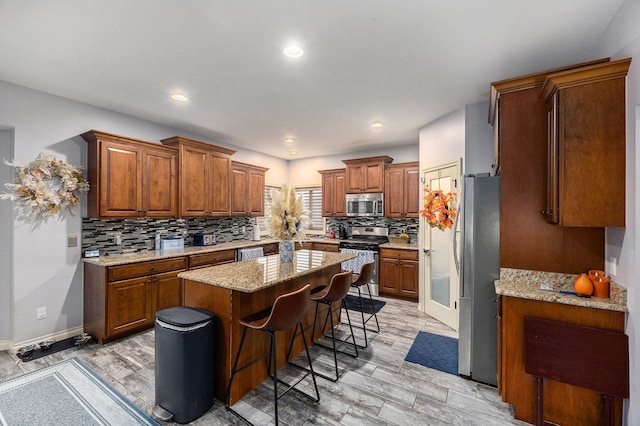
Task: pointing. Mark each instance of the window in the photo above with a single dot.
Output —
(311, 200)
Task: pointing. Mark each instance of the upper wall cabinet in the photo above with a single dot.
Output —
(130, 178)
(586, 145)
(247, 189)
(366, 174)
(333, 192)
(204, 178)
(402, 193)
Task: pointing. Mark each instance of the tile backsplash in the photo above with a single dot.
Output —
(396, 226)
(139, 234)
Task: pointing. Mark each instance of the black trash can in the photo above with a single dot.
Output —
(184, 363)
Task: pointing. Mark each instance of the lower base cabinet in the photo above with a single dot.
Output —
(399, 273)
(120, 300)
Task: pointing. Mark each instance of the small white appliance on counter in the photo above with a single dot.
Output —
(172, 244)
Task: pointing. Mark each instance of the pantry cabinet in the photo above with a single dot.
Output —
(130, 178)
(247, 189)
(333, 192)
(120, 300)
(204, 178)
(402, 190)
(365, 175)
(399, 273)
(586, 145)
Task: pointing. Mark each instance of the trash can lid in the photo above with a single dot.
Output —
(184, 316)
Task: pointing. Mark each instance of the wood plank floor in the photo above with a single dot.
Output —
(377, 388)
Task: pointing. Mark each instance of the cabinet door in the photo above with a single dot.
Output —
(389, 275)
(219, 184)
(411, 191)
(239, 199)
(339, 193)
(159, 183)
(394, 196)
(409, 281)
(168, 291)
(328, 195)
(256, 193)
(373, 176)
(120, 180)
(354, 178)
(129, 305)
(193, 181)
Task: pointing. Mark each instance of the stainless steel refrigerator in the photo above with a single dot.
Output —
(479, 266)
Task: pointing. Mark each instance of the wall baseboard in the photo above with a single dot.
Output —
(60, 335)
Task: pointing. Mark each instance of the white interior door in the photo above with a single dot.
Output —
(439, 280)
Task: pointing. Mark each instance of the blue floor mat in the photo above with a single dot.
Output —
(434, 351)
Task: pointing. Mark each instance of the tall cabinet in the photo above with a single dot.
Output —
(130, 178)
(402, 190)
(333, 192)
(204, 178)
(247, 189)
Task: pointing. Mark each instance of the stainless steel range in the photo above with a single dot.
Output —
(365, 243)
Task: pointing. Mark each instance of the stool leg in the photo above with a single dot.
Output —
(353, 336)
(373, 309)
(275, 374)
(313, 375)
(233, 371)
(364, 323)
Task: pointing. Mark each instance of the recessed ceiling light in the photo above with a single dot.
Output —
(289, 141)
(293, 51)
(377, 124)
(293, 153)
(180, 97)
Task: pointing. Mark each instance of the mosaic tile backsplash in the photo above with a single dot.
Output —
(139, 234)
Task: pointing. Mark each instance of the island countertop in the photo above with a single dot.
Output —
(254, 275)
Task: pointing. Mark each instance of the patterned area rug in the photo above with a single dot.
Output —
(434, 351)
(353, 304)
(67, 393)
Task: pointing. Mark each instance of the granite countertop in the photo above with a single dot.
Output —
(253, 275)
(402, 246)
(526, 285)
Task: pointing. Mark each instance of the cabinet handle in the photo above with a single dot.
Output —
(149, 281)
(545, 212)
(153, 268)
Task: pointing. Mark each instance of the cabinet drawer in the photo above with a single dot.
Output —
(326, 247)
(123, 272)
(399, 254)
(210, 259)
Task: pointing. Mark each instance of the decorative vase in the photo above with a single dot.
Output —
(583, 285)
(286, 248)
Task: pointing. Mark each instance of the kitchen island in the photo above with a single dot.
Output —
(235, 290)
(520, 296)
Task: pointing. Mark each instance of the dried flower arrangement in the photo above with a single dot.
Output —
(437, 208)
(45, 186)
(286, 215)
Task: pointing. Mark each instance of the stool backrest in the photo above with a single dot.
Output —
(339, 286)
(288, 309)
(366, 274)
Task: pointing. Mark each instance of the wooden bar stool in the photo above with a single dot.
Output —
(327, 295)
(286, 312)
(360, 280)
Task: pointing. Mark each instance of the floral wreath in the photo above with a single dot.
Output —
(45, 186)
(437, 208)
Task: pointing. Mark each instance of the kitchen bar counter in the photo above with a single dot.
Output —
(526, 285)
(236, 290)
(254, 275)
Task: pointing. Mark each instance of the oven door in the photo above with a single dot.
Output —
(364, 256)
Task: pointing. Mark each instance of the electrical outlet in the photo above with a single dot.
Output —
(117, 238)
(244, 229)
(72, 241)
(41, 312)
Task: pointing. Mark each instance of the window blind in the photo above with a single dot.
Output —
(311, 200)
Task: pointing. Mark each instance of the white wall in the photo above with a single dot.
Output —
(45, 271)
(6, 175)
(443, 140)
(478, 134)
(305, 171)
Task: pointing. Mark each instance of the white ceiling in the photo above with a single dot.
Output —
(405, 63)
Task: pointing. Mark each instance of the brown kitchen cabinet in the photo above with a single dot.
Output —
(203, 260)
(563, 404)
(130, 178)
(270, 248)
(366, 174)
(332, 247)
(399, 273)
(586, 145)
(402, 190)
(247, 189)
(120, 300)
(204, 178)
(333, 192)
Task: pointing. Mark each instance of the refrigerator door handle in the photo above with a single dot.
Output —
(456, 257)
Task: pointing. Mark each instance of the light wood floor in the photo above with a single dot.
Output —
(377, 388)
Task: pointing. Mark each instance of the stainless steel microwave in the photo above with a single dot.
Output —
(369, 205)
